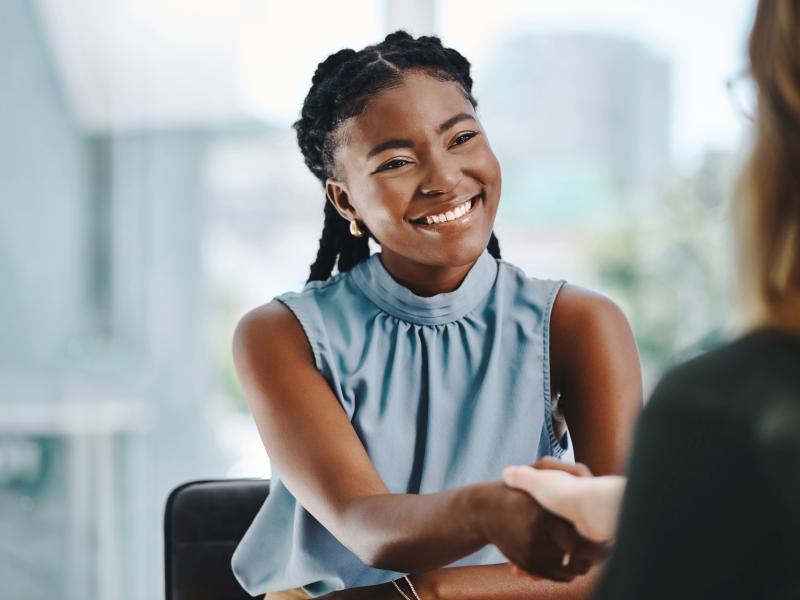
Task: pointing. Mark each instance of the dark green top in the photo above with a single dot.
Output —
(712, 508)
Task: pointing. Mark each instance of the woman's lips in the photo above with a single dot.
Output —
(464, 219)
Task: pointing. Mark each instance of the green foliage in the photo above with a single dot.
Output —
(668, 263)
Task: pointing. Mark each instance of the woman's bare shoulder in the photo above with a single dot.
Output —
(577, 308)
(271, 331)
(585, 323)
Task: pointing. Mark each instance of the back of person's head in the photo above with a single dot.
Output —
(769, 206)
(342, 86)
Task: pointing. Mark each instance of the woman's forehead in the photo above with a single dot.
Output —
(419, 104)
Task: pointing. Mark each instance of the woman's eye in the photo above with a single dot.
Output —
(464, 137)
(393, 164)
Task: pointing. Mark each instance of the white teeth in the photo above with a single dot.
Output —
(450, 215)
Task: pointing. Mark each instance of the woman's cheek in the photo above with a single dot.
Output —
(387, 223)
(486, 166)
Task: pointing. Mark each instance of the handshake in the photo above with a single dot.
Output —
(556, 521)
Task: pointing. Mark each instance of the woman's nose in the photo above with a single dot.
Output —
(443, 176)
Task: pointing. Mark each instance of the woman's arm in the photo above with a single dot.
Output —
(314, 447)
(595, 367)
(498, 582)
(487, 582)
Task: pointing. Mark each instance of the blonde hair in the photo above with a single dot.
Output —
(768, 205)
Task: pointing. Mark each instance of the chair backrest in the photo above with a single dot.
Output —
(203, 523)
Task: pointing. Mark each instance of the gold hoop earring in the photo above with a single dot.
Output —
(355, 231)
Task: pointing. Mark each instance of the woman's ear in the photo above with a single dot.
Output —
(338, 195)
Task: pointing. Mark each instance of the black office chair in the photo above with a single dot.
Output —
(203, 523)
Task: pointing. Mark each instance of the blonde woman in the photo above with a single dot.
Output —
(712, 505)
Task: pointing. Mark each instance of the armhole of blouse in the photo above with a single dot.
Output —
(556, 447)
(313, 335)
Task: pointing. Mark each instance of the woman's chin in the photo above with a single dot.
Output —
(465, 251)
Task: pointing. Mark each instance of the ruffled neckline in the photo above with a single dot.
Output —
(394, 298)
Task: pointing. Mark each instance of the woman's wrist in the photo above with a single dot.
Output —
(425, 584)
(482, 501)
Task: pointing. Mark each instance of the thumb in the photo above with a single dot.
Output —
(527, 479)
(514, 476)
(550, 488)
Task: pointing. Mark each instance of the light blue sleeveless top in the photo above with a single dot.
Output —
(443, 391)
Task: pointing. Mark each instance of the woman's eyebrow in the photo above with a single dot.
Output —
(453, 120)
(395, 143)
(405, 143)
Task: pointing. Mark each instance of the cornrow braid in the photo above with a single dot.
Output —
(341, 87)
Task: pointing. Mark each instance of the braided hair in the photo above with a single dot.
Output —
(340, 89)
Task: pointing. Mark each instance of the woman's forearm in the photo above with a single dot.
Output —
(497, 582)
(488, 582)
(420, 532)
(410, 533)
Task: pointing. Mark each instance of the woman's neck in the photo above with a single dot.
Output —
(425, 280)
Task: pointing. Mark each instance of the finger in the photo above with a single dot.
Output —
(548, 486)
(579, 566)
(552, 463)
(556, 574)
(577, 555)
(522, 478)
(553, 490)
(584, 558)
(605, 550)
(553, 555)
(592, 551)
(563, 536)
(553, 569)
(530, 479)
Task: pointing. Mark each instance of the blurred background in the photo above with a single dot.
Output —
(152, 193)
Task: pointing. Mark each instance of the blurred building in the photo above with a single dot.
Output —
(578, 121)
(148, 201)
(104, 378)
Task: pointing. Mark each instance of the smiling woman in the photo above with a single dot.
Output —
(390, 395)
(433, 163)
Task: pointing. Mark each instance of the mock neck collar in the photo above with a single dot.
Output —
(394, 298)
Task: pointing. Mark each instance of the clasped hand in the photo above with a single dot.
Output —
(559, 521)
